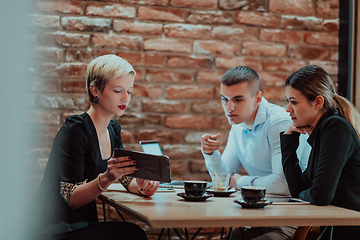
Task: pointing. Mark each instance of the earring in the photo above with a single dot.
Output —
(96, 101)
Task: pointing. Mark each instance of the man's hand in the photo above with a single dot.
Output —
(210, 143)
(233, 180)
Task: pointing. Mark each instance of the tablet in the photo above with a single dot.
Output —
(151, 147)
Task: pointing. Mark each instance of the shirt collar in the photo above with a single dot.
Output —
(261, 112)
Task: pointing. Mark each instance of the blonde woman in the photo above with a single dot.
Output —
(81, 166)
(333, 172)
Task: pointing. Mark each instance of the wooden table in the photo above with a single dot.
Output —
(167, 210)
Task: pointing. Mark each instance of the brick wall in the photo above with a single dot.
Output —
(180, 49)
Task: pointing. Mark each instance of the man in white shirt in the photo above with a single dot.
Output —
(253, 142)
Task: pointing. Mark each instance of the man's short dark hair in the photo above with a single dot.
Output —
(242, 74)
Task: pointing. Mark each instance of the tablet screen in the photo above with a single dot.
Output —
(151, 147)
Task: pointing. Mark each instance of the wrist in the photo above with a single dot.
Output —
(104, 180)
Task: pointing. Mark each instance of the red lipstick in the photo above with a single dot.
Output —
(122, 107)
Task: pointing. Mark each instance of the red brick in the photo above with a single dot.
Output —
(53, 54)
(181, 92)
(263, 49)
(217, 91)
(146, 2)
(119, 41)
(331, 25)
(281, 64)
(168, 45)
(162, 136)
(57, 102)
(137, 120)
(187, 31)
(188, 62)
(194, 137)
(126, 136)
(258, 19)
(197, 166)
(162, 14)
(334, 55)
(272, 79)
(210, 76)
(85, 24)
(145, 90)
(182, 151)
(85, 55)
(327, 8)
(208, 47)
(275, 93)
(134, 106)
(110, 10)
(321, 38)
(187, 121)
(164, 106)
(334, 78)
(277, 35)
(65, 39)
(44, 85)
(194, 3)
(253, 5)
(301, 23)
(221, 123)
(74, 86)
(168, 76)
(210, 17)
(47, 135)
(65, 70)
(178, 167)
(235, 34)
(37, 20)
(305, 52)
(68, 114)
(212, 106)
(230, 62)
(330, 67)
(45, 117)
(138, 28)
(143, 59)
(73, 7)
(290, 7)
(139, 74)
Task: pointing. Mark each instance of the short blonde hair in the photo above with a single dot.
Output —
(104, 69)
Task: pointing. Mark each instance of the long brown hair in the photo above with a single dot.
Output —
(312, 81)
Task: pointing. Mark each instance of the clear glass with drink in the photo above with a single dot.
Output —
(220, 181)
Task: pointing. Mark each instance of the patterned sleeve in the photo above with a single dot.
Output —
(66, 189)
(125, 181)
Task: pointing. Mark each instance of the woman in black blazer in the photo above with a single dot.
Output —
(333, 172)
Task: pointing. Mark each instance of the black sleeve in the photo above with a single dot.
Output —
(71, 143)
(334, 151)
(295, 178)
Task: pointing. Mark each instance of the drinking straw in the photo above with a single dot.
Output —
(219, 179)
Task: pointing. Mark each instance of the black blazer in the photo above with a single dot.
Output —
(75, 156)
(333, 172)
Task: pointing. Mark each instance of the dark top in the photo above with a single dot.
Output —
(333, 172)
(75, 156)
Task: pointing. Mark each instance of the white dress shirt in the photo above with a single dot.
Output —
(258, 150)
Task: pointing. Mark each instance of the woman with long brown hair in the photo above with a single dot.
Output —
(333, 172)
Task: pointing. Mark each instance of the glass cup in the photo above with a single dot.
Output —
(220, 181)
